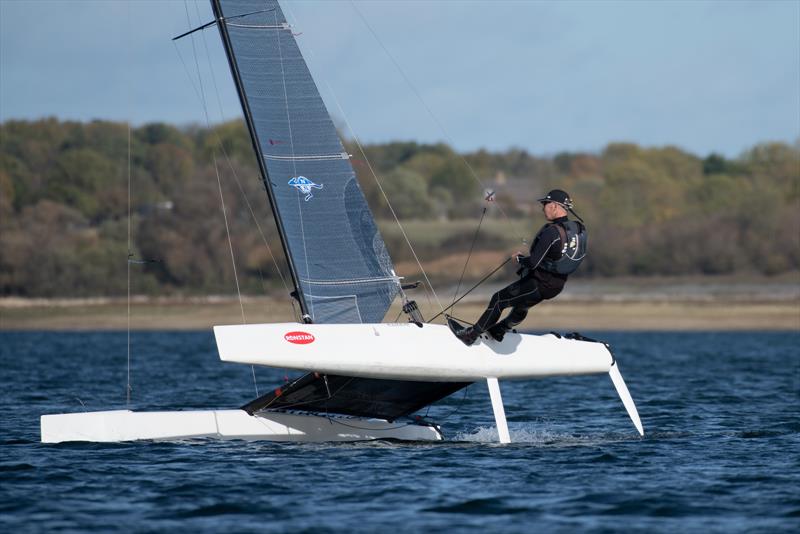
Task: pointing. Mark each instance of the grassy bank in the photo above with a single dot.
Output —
(568, 314)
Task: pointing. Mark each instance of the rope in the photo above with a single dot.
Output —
(482, 280)
(128, 263)
(471, 247)
(460, 320)
(433, 117)
(429, 286)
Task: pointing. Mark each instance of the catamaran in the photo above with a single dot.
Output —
(363, 378)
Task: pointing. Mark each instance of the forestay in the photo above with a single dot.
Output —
(338, 259)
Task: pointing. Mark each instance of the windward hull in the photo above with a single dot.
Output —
(404, 351)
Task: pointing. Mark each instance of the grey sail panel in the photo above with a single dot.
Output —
(338, 259)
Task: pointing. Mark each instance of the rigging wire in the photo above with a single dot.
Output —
(372, 172)
(233, 169)
(481, 281)
(386, 197)
(227, 157)
(128, 263)
(238, 183)
(201, 95)
(216, 168)
(471, 247)
(433, 117)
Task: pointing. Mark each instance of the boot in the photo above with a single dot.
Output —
(468, 336)
(498, 331)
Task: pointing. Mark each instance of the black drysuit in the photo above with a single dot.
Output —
(535, 284)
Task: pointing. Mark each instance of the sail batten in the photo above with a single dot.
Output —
(340, 267)
(308, 157)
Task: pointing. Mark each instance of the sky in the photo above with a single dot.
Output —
(716, 76)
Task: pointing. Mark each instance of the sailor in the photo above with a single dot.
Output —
(555, 253)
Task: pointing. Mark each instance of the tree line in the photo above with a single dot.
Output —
(69, 224)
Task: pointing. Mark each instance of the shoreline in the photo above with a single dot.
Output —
(575, 312)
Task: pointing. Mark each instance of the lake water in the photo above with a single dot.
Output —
(722, 450)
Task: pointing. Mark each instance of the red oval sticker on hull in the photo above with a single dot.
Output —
(299, 338)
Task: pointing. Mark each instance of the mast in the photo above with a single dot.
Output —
(223, 31)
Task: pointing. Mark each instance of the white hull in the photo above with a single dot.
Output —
(403, 351)
(387, 351)
(125, 425)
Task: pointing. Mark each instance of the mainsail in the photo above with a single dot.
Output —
(339, 263)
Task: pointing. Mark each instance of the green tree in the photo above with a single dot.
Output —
(408, 193)
(78, 174)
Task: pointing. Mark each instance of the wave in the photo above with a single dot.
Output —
(531, 434)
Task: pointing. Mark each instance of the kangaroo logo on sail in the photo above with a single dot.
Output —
(304, 185)
(299, 338)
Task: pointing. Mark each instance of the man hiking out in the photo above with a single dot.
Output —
(556, 252)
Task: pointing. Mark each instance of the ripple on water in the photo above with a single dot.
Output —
(722, 460)
(488, 506)
(759, 433)
(10, 468)
(224, 508)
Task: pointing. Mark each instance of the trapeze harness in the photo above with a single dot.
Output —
(573, 248)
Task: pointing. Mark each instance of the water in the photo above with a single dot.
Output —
(722, 451)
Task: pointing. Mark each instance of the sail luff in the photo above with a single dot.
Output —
(223, 30)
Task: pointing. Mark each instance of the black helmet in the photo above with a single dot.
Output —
(559, 197)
